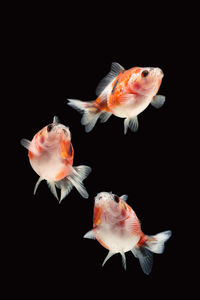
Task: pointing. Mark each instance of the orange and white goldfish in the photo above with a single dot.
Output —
(123, 93)
(51, 156)
(117, 228)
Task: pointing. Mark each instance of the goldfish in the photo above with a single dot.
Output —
(51, 155)
(117, 228)
(123, 93)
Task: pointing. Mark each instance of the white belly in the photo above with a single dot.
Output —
(47, 166)
(132, 108)
(117, 240)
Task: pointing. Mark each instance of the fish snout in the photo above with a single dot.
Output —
(158, 72)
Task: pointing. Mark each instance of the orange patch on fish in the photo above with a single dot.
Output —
(97, 215)
(64, 149)
(121, 83)
(142, 240)
(102, 243)
(61, 175)
(30, 155)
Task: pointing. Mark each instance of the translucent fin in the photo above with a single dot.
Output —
(105, 116)
(66, 186)
(83, 171)
(110, 254)
(145, 258)
(37, 184)
(27, 144)
(77, 176)
(79, 186)
(89, 110)
(89, 121)
(158, 101)
(56, 120)
(52, 187)
(123, 260)
(156, 243)
(124, 197)
(132, 123)
(78, 104)
(114, 72)
(90, 235)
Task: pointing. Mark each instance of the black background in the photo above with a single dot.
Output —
(58, 56)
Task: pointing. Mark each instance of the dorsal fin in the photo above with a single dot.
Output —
(114, 72)
(56, 120)
(124, 197)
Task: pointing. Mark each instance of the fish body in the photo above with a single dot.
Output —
(117, 228)
(123, 93)
(51, 155)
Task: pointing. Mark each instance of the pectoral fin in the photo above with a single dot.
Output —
(158, 101)
(27, 144)
(90, 235)
(107, 257)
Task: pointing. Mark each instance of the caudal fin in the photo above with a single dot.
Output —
(90, 112)
(75, 179)
(155, 244)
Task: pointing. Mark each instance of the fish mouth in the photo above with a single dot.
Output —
(161, 73)
(60, 129)
(157, 72)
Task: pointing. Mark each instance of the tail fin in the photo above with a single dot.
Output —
(90, 112)
(153, 244)
(156, 243)
(75, 179)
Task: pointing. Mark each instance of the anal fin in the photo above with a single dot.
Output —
(131, 123)
(145, 258)
(37, 184)
(52, 188)
(104, 116)
(66, 186)
(123, 260)
(110, 254)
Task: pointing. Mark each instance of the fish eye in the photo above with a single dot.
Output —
(116, 198)
(49, 127)
(145, 73)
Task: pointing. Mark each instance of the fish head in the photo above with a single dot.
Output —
(146, 81)
(52, 134)
(109, 208)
